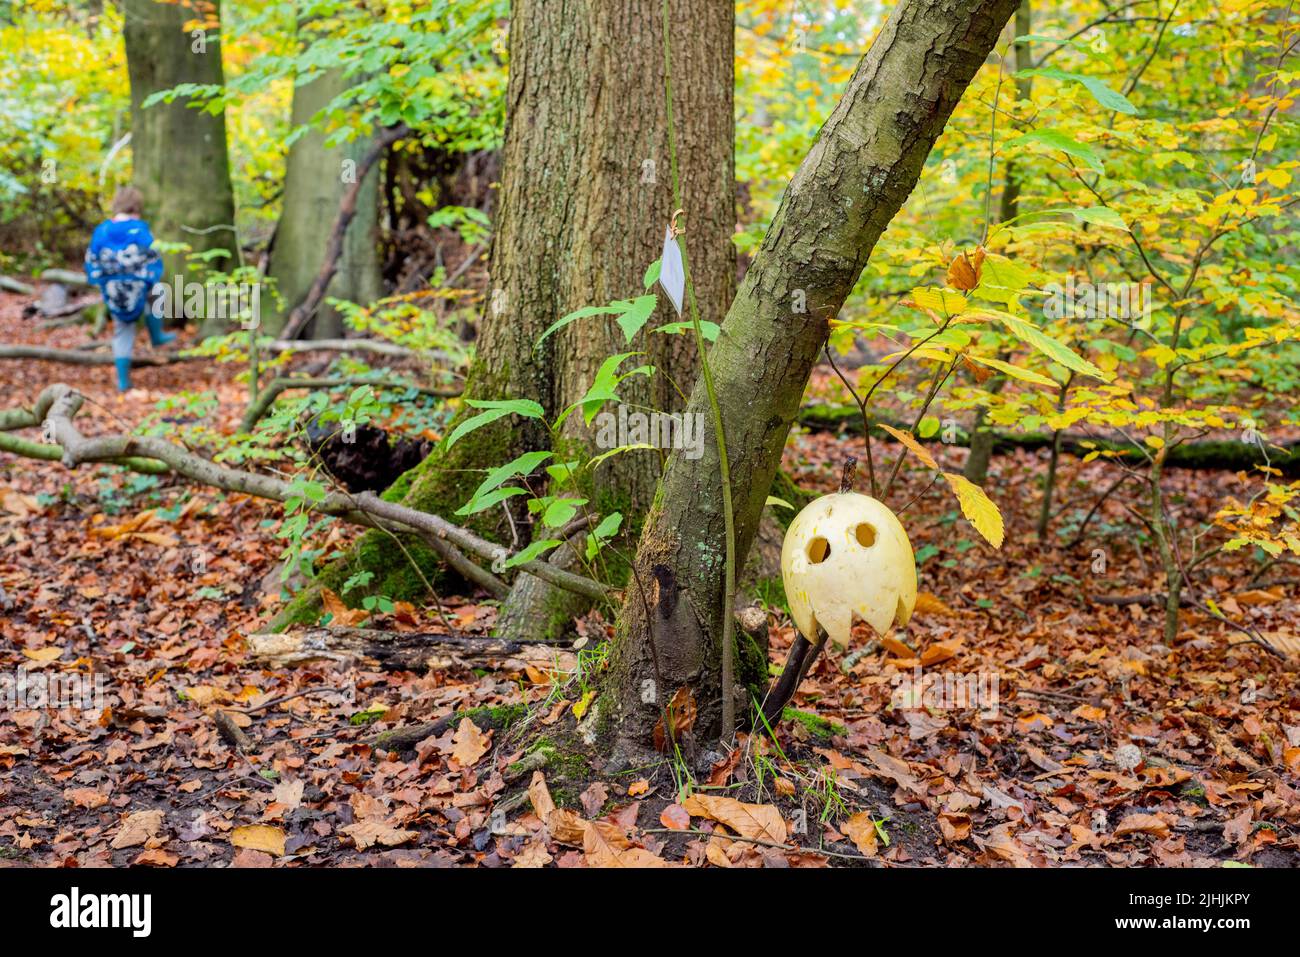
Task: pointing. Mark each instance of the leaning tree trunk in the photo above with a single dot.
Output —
(864, 164)
(179, 154)
(316, 178)
(584, 203)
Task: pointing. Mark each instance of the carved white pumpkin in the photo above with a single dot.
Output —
(847, 555)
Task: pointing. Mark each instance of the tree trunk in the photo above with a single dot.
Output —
(180, 160)
(585, 200)
(316, 178)
(864, 164)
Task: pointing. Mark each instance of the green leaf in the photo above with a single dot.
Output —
(779, 502)
(1103, 94)
(652, 273)
(561, 511)
(604, 386)
(622, 448)
(496, 409)
(631, 315)
(636, 315)
(603, 532)
(709, 330)
(532, 551)
(1100, 216)
(1056, 140)
(522, 465)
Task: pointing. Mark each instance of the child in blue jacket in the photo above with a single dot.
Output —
(122, 262)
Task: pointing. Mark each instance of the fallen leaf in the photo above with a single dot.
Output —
(928, 604)
(861, 830)
(682, 712)
(85, 797)
(138, 828)
(259, 837)
(675, 816)
(759, 821)
(1138, 823)
(604, 845)
(593, 798)
(469, 744)
(371, 831)
(533, 855)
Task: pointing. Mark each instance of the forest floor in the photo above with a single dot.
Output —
(1104, 746)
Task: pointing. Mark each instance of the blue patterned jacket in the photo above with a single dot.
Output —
(122, 262)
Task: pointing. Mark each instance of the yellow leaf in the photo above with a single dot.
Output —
(928, 604)
(913, 446)
(978, 508)
(259, 837)
(941, 301)
(1025, 375)
(43, 655)
(582, 704)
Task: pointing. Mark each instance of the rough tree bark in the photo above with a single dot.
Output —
(179, 154)
(316, 178)
(584, 202)
(864, 164)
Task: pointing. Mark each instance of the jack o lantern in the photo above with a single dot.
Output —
(844, 556)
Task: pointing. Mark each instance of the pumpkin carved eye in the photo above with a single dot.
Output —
(865, 534)
(819, 550)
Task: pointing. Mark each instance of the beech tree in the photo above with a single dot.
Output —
(584, 201)
(180, 159)
(316, 177)
(864, 164)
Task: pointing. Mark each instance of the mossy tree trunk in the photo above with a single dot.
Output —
(179, 154)
(864, 164)
(316, 178)
(585, 200)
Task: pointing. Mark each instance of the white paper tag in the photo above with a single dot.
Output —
(672, 275)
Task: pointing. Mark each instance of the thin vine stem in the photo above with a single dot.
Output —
(724, 466)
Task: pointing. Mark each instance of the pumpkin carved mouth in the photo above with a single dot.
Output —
(847, 556)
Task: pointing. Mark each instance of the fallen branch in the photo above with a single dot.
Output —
(392, 650)
(90, 357)
(14, 285)
(60, 403)
(231, 732)
(68, 277)
(1221, 454)
(378, 346)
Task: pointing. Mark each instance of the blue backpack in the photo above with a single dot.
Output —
(122, 262)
